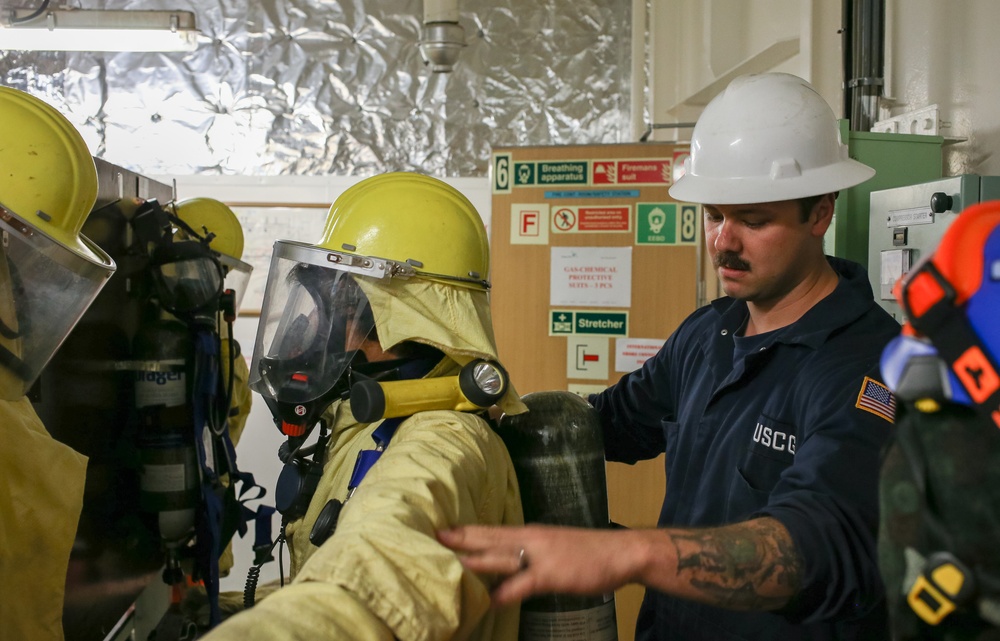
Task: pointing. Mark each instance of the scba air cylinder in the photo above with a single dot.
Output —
(558, 455)
(169, 484)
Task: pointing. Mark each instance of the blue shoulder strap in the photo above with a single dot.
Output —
(220, 505)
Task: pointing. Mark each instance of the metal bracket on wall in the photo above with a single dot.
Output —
(654, 125)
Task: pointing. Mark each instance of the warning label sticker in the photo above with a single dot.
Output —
(592, 219)
(643, 171)
(593, 624)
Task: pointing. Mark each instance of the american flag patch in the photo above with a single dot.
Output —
(876, 398)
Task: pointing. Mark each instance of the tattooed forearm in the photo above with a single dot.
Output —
(746, 566)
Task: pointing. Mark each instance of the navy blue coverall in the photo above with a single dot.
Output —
(788, 425)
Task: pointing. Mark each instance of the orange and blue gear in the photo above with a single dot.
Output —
(939, 514)
(951, 298)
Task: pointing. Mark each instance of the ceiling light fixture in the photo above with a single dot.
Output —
(68, 29)
(442, 38)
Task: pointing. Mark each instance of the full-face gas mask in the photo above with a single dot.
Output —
(217, 224)
(187, 274)
(314, 322)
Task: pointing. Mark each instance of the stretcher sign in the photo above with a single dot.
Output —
(641, 171)
(592, 219)
(564, 322)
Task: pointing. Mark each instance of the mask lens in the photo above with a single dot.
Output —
(189, 284)
(314, 322)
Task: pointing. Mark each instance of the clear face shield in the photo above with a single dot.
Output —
(314, 321)
(44, 290)
(237, 277)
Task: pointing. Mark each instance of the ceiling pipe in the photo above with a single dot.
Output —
(442, 38)
(864, 61)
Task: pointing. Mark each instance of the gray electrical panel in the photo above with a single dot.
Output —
(907, 223)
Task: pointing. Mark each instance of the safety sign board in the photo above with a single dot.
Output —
(590, 276)
(591, 219)
(666, 224)
(587, 357)
(528, 174)
(642, 171)
(631, 353)
(590, 321)
(508, 173)
(501, 169)
(529, 224)
(591, 193)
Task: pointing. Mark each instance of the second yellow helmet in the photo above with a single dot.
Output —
(415, 219)
(209, 215)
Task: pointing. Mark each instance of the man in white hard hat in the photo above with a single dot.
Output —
(767, 403)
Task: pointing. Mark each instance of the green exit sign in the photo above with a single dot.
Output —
(565, 322)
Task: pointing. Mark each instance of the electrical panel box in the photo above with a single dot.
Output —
(898, 160)
(907, 223)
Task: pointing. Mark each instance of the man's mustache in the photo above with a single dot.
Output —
(730, 260)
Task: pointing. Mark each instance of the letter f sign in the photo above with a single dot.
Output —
(529, 223)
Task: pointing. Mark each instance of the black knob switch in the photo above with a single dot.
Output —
(941, 202)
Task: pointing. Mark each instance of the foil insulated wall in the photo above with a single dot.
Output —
(307, 87)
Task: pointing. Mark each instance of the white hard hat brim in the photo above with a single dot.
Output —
(761, 189)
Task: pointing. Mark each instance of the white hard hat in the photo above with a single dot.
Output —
(767, 137)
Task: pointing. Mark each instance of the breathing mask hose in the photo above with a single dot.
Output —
(231, 378)
(253, 574)
(227, 315)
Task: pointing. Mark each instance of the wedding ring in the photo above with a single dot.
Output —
(522, 561)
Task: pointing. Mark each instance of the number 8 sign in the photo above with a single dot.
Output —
(689, 224)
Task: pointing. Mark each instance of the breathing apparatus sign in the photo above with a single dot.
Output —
(550, 173)
(509, 173)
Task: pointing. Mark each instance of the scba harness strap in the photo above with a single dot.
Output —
(221, 512)
(931, 305)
